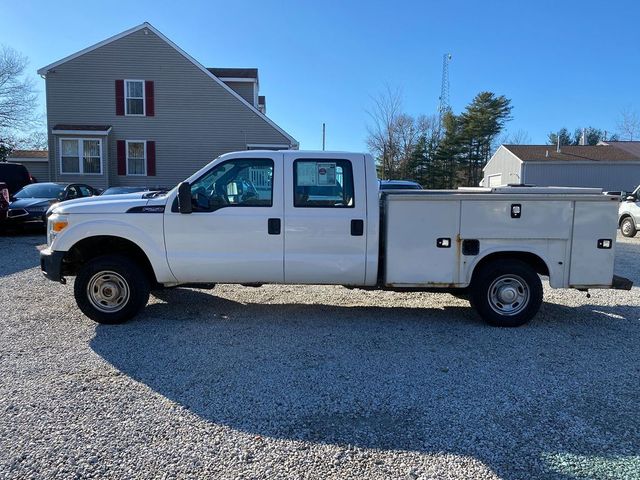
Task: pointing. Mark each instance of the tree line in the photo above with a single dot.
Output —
(438, 151)
(450, 150)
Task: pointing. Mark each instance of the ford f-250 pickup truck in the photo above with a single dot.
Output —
(297, 217)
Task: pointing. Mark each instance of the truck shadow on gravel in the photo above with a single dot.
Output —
(18, 251)
(423, 380)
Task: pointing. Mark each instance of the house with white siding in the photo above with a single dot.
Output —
(135, 109)
(606, 166)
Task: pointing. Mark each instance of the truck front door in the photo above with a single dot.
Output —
(234, 234)
(325, 216)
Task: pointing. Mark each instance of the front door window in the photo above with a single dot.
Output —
(236, 183)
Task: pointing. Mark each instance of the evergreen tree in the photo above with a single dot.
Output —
(481, 122)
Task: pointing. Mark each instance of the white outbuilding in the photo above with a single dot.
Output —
(610, 166)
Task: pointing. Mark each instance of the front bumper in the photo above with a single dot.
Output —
(51, 264)
(23, 216)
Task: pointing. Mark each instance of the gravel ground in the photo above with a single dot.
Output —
(315, 382)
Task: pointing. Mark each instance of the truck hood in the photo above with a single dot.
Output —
(108, 203)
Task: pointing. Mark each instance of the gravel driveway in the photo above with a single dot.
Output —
(315, 382)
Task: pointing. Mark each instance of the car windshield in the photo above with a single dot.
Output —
(40, 190)
(120, 190)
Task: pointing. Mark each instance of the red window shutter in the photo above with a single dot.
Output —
(151, 158)
(122, 157)
(119, 97)
(149, 98)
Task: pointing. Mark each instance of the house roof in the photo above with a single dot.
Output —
(29, 154)
(234, 72)
(571, 153)
(632, 147)
(147, 25)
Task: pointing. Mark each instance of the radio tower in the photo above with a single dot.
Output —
(444, 90)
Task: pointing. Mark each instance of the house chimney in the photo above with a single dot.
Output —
(583, 137)
(262, 104)
(547, 154)
(558, 145)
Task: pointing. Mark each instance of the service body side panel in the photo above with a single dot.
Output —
(543, 228)
(421, 241)
(592, 266)
(541, 218)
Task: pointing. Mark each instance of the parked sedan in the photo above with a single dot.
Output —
(30, 204)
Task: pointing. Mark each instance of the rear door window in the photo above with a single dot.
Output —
(323, 183)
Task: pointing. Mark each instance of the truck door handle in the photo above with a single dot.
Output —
(273, 225)
(357, 228)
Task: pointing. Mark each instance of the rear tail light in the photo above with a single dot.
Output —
(5, 194)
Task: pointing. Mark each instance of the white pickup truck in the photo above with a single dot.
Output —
(297, 217)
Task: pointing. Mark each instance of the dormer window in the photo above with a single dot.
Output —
(134, 97)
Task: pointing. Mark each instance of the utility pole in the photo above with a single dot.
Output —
(324, 132)
(444, 107)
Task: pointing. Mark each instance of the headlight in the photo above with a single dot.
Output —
(55, 225)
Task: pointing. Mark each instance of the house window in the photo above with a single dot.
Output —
(134, 97)
(81, 156)
(136, 157)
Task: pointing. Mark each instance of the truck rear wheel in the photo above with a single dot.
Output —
(111, 289)
(506, 293)
(628, 227)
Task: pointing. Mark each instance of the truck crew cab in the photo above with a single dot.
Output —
(298, 217)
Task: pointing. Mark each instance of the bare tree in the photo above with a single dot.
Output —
(519, 137)
(628, 124)
(17, 95)
(382, 130)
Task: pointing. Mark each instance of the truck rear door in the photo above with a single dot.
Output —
(325, 214)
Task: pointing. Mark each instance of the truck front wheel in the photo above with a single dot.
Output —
(506, 293)
(111, 289)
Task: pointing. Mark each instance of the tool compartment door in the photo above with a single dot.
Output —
(421, 242)
(591, 261)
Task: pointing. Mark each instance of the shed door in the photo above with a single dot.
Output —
(495, 180)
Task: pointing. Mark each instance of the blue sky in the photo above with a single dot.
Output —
(563, 63)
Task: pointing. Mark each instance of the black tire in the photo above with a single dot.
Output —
(120, 289)
(628, 227)
(503, 281)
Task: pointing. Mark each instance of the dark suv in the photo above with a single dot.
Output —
(4, 201)
(15, 175)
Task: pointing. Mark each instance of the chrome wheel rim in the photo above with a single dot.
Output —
(108, 291)
(626, 227)
(508, 295)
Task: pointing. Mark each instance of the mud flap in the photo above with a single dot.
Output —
(621, 283)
